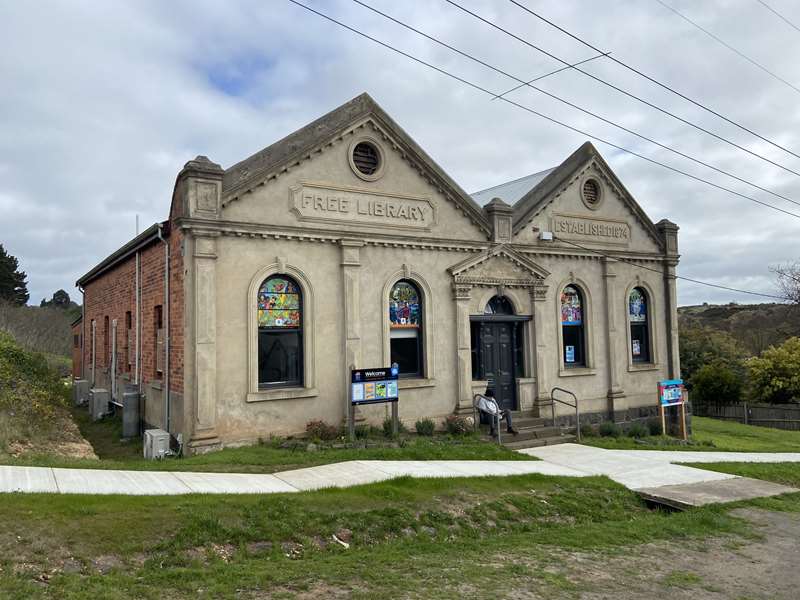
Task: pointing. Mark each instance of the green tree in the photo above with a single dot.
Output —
(775, 375)
(60, 299)
(701, 346)
(717, 383)
(13, 286)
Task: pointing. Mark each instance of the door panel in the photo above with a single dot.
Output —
(497, 354)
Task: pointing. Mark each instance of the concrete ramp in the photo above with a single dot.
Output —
(734, 489)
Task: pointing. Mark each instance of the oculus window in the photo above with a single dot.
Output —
(639, 324)
(572, 327)
(280, 333)
(405, 328)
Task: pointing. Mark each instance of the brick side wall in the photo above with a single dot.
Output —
(111, 295)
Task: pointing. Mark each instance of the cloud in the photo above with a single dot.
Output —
(103, 103)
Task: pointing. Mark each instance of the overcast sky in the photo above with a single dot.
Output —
(103, 102)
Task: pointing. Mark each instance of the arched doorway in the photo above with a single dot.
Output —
(497, 349)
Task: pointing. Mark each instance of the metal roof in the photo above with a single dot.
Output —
(511, 191)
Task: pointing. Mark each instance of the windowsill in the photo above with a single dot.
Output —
(288, 393)
(634, 367)
(416, 382)
(576, 372)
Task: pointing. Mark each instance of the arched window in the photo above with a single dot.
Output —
(499, 305)
(639, 323)
(405, 328)
(280, 332)
(572, 327)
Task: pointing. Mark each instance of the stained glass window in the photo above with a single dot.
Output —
(405, 333)
(571, 310)
(280, 333)
(639, 326)
(404, 311)
(279, 303)
(572, 328)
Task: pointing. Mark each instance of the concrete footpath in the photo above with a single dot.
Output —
(648, 472)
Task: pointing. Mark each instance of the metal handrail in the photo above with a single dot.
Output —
(553, 400)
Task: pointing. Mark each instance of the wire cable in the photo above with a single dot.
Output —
(681, 277)
(653, 80)
(530, 81)
(729, 47)
(779, 15)
(622, 91)
(534, 112)
(568, 103)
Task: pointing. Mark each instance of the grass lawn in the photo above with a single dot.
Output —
(431, 538)
(712, 435)
(267, 457)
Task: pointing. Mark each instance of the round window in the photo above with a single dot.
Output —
(591, 193)
(366, 159)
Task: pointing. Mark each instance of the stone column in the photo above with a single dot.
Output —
(204, 326)
(541, 349)
(461, 297)
(612, 359)
(669, 237)
(351, 285)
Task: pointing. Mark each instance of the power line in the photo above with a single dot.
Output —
(635, 264)
(524, 83)
(568, 103)
(779, 15)
(534, 112)
(653, 80)
(729, 47)
(622, 91)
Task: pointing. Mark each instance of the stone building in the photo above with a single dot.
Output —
(345, 244)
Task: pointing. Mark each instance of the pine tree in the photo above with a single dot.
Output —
(13, 287)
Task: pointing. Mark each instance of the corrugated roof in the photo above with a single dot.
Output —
(511, 191)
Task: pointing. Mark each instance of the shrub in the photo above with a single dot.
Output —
(456, 425)
(700, 346)
(320, 430)
(638, 429)
(362, 431)
(587, 430)
(387, 427)
(609, 429)
(775, 375)
(425, 426)
(654, 426)
(716, 383)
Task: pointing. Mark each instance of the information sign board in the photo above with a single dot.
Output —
(373, 386)
(670, 392)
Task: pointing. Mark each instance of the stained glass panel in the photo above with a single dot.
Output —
(404, 309)
(637, 306)
(571, 310)
(279, 303)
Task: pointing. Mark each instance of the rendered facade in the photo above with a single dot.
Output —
(344, 245)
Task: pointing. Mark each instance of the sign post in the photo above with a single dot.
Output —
(373, 386)
(672, 393)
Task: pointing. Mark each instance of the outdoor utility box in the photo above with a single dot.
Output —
(80, 391)
(98, 403)
(156, 444)
(130, 413)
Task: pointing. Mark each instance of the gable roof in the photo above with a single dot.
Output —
(536, 270)
(306, 141)
(510, 191)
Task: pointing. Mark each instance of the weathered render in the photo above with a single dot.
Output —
(302, 208)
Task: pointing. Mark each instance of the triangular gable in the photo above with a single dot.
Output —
(306, 142)
(499, 262)
(532, 203)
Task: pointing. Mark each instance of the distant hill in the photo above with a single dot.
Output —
(755, 326)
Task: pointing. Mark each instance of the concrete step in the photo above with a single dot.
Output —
(537, 442)
(521, 421)
(526, 433)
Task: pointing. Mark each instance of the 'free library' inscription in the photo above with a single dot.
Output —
(327, 203)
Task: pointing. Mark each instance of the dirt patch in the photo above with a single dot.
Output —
(715, 568)
(63, 440)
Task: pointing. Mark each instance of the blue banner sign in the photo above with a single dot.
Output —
(373, 386)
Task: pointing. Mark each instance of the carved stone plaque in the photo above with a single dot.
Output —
(578, 227)
(326, 203)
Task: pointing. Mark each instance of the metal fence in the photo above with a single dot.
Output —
(778, 416)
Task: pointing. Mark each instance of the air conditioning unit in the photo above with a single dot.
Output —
(80, 391)
(130, 413)
(156, 444)
(98, 403)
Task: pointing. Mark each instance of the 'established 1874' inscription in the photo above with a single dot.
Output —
(601, 230)
(316, 202)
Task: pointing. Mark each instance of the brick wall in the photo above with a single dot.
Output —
(112, 295)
